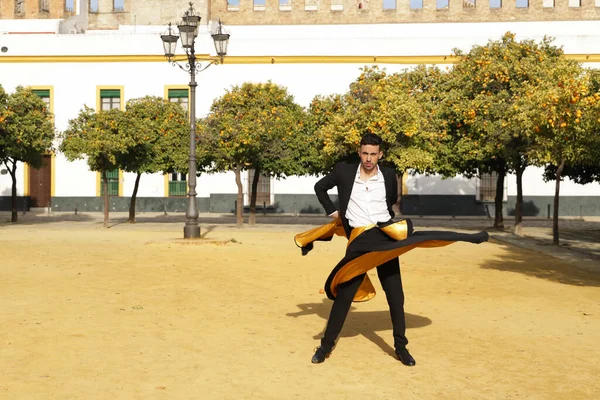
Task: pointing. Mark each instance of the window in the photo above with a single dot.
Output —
(487, 187)
(522, 3)
(93, 6)
(495, 3)
(44, 5)
(45, 95)
(337, 5)
(177, 184)
(233, 5)
(109, 99)
(119, 5)
(19, 7)
(69, 6)
(180, 96)
(260, 5)
(311, 5)
(548, 3)
(442, 4)
(389, 4)
(263, 190)
(416, 4)
(285, 5)
(113, 183)
(575, 3)
(469, 3)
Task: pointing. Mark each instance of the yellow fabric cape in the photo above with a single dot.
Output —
(404, 240)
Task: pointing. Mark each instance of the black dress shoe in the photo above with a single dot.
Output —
(320, 355)
(405, 357)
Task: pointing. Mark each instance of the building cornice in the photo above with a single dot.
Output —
(434, 59)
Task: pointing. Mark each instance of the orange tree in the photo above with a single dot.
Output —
(97, 137)
(255, 126)
(159, 139)
(320, 113)
(26, 134)
(564, 113)
(378, 103)
(585, 171)
(481, 112)
(427, 85)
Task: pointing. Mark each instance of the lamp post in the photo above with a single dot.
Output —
(188, 31)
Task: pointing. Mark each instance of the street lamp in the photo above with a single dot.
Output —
(188, 31)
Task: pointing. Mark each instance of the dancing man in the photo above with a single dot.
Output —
(366, 194)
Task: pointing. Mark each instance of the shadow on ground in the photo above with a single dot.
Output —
(39, 219)
(526, 262)
(365, 323)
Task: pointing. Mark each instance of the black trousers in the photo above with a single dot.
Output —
(389, 276)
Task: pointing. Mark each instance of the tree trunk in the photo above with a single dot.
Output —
(105, 194)
(240, 197)
(519, 204)
(400, 177)
(13, 195)
(559, 170)
(133, 198)
(253, 194)
(499, 218)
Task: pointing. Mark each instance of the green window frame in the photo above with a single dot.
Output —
(177, 185)
(110, 99)
(113, 183)
(44, 94)
(180, 96)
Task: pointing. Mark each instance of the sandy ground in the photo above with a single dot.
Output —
(133, 312)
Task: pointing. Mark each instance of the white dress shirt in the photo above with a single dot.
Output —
(367, 201)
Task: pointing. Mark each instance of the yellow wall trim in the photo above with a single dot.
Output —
(52, 176)
(99, 184)
(26, 179)
(96, 58)
(121, 179)
(299, 59)
(26, 183)
(404, 183)
(187, 87)
(121, 88)
(166, 187)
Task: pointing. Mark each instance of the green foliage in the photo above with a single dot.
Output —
(581, 174)
(563, 112)
(159, 133)
(26, 127)
(254, 126)
(483, 110)
(96, 136)
(3, 115)
(378, 103)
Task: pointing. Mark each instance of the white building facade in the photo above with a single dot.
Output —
(111, 67)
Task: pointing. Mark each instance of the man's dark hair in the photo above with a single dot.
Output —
(372, 139)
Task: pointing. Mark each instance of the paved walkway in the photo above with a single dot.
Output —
(579, 239)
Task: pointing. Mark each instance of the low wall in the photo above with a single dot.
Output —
(442, 205)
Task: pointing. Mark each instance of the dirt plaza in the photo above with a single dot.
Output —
(135, 312)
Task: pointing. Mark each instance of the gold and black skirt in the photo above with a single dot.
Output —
(400, 238)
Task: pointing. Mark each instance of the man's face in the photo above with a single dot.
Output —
(369, 156)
